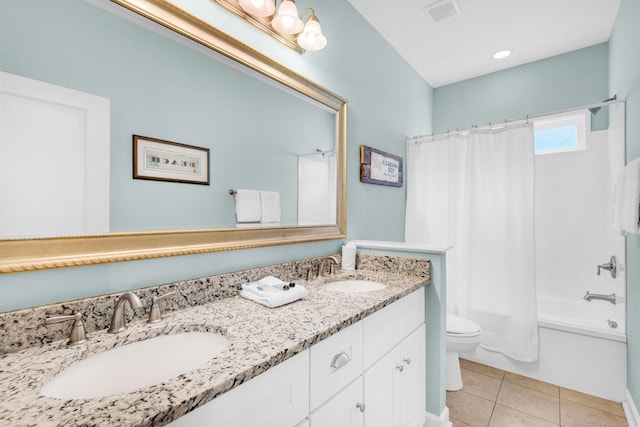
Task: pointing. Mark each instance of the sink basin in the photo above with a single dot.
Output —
(354, 286)
(133, 366)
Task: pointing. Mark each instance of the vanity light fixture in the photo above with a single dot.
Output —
(287, 22)
(501, 54)
(259, 8)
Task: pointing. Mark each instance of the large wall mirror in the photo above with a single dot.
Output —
(169, 76)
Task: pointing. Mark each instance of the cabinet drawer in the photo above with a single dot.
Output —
(335, 362)
(387, 327)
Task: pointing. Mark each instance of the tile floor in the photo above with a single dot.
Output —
(495, 398)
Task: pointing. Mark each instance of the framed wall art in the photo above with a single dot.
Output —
(160, 160)
(378, 167)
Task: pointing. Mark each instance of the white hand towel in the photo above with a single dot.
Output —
(271, 296)
(626, 201)
(270, 202)
(247, 206)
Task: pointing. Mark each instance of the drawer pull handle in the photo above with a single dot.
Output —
(407, 360)
(360, 406)
(400, 368)
(339, 360)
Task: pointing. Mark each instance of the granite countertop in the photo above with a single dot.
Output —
(259, 338)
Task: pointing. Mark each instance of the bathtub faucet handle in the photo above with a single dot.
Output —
(611, 266)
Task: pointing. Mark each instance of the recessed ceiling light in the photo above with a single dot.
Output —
(501, 54)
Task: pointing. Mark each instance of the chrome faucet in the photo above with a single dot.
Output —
(117, 320)
(609, 298)
(332, 261)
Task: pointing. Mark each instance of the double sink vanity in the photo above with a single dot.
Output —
(352, 350)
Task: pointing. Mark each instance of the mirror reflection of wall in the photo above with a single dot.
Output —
(162, 89)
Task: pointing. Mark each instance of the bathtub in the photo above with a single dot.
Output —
(579, 349)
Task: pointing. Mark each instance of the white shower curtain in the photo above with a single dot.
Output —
(476, 193)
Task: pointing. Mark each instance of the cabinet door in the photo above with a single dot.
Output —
(381, 392)
(412, 382)
(277, 397)
(394, 387)
(342, 410)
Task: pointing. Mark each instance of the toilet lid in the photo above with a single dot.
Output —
(460, 325)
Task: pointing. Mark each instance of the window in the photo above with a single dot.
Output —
(560, 134)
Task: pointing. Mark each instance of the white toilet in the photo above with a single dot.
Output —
(462, 335)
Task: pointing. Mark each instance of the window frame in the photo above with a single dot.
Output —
(581, 120)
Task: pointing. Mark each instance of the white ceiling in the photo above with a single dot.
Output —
(461, 47)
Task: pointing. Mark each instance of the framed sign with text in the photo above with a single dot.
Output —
(378, 167)
(160, 160)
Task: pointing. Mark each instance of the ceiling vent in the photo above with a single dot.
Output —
(441, 10)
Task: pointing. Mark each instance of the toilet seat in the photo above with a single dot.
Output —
(460, 327)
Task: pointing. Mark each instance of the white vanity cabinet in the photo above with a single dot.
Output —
(390, 389)
(394, 387)
(369, 374)
(394, 353)
(277, 397)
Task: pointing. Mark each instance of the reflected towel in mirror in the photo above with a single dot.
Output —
(248, 207)
(270, 203)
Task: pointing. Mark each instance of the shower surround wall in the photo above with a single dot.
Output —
(574, 230)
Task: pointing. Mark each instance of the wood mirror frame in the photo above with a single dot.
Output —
(71, 251)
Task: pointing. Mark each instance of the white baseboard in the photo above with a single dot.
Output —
(630, 410)
(441, 420)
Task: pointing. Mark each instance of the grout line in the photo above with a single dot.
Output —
(496, 400)
(559, 407)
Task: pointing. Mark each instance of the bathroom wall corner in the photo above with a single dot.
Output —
(630, 410)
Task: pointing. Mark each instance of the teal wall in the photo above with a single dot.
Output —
(63, 43)
(570, 80)
(624, 79)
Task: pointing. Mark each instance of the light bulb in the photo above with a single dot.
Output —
(312, 38)
(259, 8)
(287, 20)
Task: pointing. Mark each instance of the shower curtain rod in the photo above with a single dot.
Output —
(522, 119)
(318, 152)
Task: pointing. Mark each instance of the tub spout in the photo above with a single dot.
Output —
(609, 298)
